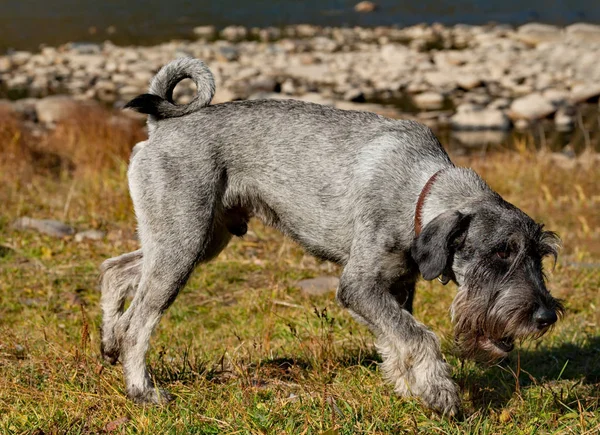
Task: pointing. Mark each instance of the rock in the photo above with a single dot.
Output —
(556, 96)
(234, 33)
(89, 235)
(354, 95)
(5, 64)
(227, 53)
(20, 58)
(45, 226)
(288, 87)
(319, 286)
(480, 99)
(429, 100)
(482, 119)
(441, 80)
(365, 7)
(564, 119)
(531, 107)
(311, 73)
(585, 92)
(468, 81)
(584, 32)
(500, 104)
(269, 34)
(476, 139)
(537, 33)
(205, 32)
(522, 124)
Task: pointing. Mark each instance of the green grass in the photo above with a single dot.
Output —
(244, 351)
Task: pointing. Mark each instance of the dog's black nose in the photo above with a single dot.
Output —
(544, 317)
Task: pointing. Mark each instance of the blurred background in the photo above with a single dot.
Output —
(510, 87)
(475, 71)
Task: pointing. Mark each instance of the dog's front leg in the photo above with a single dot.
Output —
(412, 359)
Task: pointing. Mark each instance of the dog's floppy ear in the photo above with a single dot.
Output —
(431, 250)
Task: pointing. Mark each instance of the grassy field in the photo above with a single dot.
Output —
(242, 349)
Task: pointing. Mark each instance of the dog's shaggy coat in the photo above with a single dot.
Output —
(344, 185)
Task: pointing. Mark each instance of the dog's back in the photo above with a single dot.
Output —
(270, 153)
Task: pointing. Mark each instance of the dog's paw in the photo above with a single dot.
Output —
(153, 396)
(443, 396)
(109, 351)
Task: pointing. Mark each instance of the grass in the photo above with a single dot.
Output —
(242, 349)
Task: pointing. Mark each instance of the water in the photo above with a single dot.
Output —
(26, 24)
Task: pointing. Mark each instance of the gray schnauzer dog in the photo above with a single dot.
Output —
(378, 196)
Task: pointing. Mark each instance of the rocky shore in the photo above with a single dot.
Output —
(467, 78)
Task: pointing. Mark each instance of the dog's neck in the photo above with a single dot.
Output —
(449, 188)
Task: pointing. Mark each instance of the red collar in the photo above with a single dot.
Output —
(421, 201)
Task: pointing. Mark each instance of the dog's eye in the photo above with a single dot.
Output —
(503, 254)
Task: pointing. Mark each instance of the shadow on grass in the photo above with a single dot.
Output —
(492, 388)
(489, 388)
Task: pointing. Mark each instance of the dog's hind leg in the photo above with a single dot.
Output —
(176, 233)
(119, 278)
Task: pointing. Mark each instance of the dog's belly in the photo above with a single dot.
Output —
(323, 227)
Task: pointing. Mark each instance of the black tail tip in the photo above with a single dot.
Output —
(145, 103)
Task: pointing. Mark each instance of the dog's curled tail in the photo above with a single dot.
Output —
(158, 102)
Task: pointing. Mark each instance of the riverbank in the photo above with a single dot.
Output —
(463, 78)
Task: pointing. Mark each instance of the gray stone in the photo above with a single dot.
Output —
(537, 33)
(556, 96)
(45, 226)
(5, 64)
(429, 100)
(500, 104)
(564, 119)
(531, 107)
(365, 7)
(584, 92)
(468, 81)
(205, 32)
(584, 32)
(441, 80)
(234, 33)
(227, 53)
(89, 235)
(319, 286)
(522, 124)
(20, 58)
(355, 95)
(479, 138)
(486, 119)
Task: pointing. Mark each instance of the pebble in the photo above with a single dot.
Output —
(89, 235)
(365, 7)
(531, 107)
(45, 226)
(480, 119)
(429, 100)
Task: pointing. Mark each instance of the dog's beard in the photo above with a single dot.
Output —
(486, 328)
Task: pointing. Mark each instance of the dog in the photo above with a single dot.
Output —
(378, 196)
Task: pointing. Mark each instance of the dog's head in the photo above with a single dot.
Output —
(494, 252)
